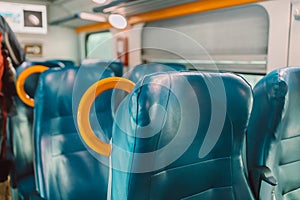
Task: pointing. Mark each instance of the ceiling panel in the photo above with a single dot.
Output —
(128, 8)
(142, 6)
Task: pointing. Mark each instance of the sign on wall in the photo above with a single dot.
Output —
(35, 50)
(25, 18)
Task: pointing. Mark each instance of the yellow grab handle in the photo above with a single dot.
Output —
(21, 82)
(84, 108)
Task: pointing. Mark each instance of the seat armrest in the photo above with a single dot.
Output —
(263, 182)
(266, 175)
(35, 196)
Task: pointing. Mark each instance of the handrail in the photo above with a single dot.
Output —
(84, 108)
(21, 82)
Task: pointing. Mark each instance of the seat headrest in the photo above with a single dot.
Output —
(63, 63)
(115, 66)
(138, 72)
(32, 81)
(27, 64)
(59, 89)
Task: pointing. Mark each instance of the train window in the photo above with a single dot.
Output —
(252, 79)
(234, 39)
(99, 45)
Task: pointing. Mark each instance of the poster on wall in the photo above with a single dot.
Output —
(25, 18)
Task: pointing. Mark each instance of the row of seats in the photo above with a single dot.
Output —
(62, 165)
(209, 161)
(21, 124)
(195, 126)
(20, 132)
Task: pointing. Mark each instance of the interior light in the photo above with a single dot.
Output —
(99, 1)
(34, 19)
(91, 17)
(117, 21)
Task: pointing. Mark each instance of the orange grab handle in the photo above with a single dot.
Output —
(21, 81)
(84, 108)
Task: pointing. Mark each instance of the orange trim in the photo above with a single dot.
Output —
(175, 11)
(93, 27)
(187, 9)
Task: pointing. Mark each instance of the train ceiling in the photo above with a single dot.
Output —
(67, 12)
(126, 8)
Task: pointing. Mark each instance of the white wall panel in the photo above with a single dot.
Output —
(58, 43)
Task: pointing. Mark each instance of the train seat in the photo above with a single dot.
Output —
(20, 133)
(64, 167)
(179, 135)
(273, 142)
(63, 63)
(115, 66)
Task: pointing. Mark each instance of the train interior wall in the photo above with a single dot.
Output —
(275, 37)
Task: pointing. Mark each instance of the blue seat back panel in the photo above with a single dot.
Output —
(20, 126)
(182, 109)
(64, 167)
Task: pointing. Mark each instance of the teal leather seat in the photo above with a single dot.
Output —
(20, 132)
(64, 168)
(115, 66)
(180, 135)
(273, 140)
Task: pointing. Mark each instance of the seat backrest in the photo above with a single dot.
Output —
(115, 66)
(20, 126)
(139, 71)
(64, 167)
(273, 134)
(179, 135)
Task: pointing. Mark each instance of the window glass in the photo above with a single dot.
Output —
(252, 79)
(100, 46)
(233, 39)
